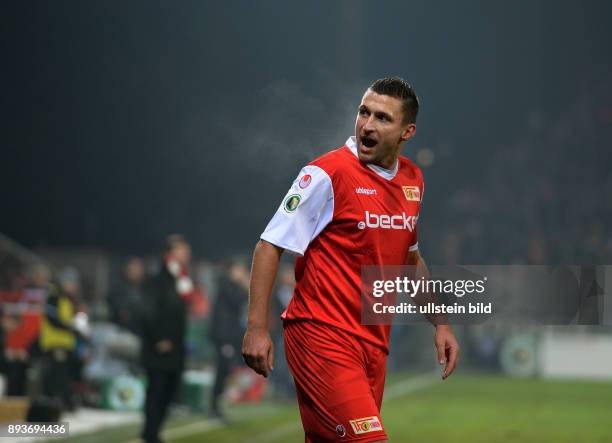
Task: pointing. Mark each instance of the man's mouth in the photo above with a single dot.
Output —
(368, 142)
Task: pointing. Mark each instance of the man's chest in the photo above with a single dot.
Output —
(374, 217)
(370, 202)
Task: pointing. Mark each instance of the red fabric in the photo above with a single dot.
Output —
(181, 275)
(338, 378)
(11, 297)
(250, 387)
(24, 335)
(199, 305)
(328, 277)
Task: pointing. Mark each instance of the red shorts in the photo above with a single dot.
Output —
(339, 380)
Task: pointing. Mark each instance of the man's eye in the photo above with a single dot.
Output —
(363, 112)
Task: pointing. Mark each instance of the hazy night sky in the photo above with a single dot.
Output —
(123, 121)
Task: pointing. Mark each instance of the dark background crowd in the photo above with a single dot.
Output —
(62, 341)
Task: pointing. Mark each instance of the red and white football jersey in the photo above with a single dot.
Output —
(338, 216)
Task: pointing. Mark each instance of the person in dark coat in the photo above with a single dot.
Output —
(125, 298)
(228, 326)
(163, 333)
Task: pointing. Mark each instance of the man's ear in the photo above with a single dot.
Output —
(408, 132)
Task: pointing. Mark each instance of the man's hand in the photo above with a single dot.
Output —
(163, 346)
(448, 349)
(257, 347)
(258, 350)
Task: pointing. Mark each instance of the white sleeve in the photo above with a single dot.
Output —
(306, 209)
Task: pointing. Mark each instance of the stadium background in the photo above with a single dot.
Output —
(125, 121)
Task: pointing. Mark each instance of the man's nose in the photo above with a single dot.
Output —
(368, 127)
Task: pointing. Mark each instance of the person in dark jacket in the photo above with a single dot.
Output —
(163, 333)
(228, 325)
(125, 298)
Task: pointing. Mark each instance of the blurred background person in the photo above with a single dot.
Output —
(125, 298)
(163, 332)
(281, 378)
(228, 325)
(16, 357)
(39, 278)
(21, 328)
(58, 338)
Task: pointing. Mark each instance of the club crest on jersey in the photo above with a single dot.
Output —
(366, 424)
(305, 181)
(291, 202)
(412, 193)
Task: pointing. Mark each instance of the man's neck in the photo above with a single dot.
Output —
(388, 164)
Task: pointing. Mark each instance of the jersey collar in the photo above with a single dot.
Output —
(387, 174)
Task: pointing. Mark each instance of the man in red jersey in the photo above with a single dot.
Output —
(355, 206)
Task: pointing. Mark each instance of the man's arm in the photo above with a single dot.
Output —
(257, 347)
(444, 340)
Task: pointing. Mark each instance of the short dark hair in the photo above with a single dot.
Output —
(174, 240)
(399, 88)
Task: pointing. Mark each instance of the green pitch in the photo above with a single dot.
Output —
(422, 409)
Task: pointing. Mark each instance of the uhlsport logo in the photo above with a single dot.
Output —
(291, 202)
(412, 193)
(385, 221)
(365, 191)
(366, 424)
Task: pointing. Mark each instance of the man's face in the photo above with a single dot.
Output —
(41, 277)
(380, 129)
(70, 287)
(239, 273)
(181, 253)
(135, 271)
